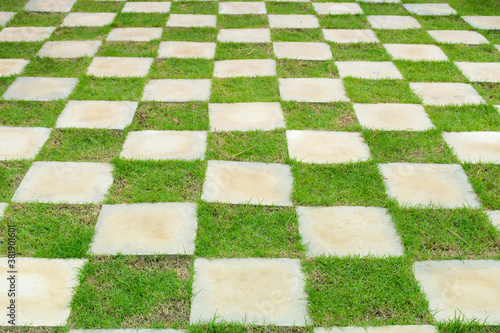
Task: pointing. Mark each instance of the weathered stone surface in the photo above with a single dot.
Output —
(70, 49)
(245, 116)
(319, 90)
(21, 142)
(475, 147)
(302, 50)
(431, 9)
(393, 117)
(368, 69)
(10, 67)
(245, 67)
(326, 147)
(146, 7)
(119, 66)
(242, 8)
(97, 114)
(480, 71)
(40, 88)
(458, 37)
(6, 17)
(434, 185)
(337, 8)
(438, 93)
(186, 50)
(191, 20)
(3, 207)
(350, 36)
(379, 329)
(88, 19)
(244, 35)
(25, 34)
(259, 291)
(293, 21)
(468, 289)
(49, 5)
(416, 52)
(483, 22)
(134, 34)
(65, 182)
(495, 218)
(145, 229)
(165, 145)
(248, 182)
(395, 22)
(177, 90)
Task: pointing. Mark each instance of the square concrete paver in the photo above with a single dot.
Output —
(119, 66)
(245, 67)
(40, 88)
(394, 22)
(88, 19)
(70, 49)
(97, 114)
(186, 50)
(293, 21)
(337, 8)
(315, 90)
(191, 20)
(438, 93)
(238, 8)
(393, 117)
(244, 36)
(245, 116)
(434, 185)
(345, 36)
(475, 147)
(346, 231)
(177, 90)
(6, 17)
(458, 37)
(145, 228)
(165, 145)
(65, 182)
(480, 71)
(3, 207)
(248, 183)
(431, 9)
(50, 282)
(146, 7)
(10, 67)
(302, 50)
(468, 289)
(368, 69)
(379, 329)
(134, 34)
(483, 22)
(49, 5)
(25, 34)
(495, 218)
(253, 291)
(416, 52)
(326, 147)
(21, 142)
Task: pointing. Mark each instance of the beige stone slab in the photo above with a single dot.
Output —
(245, 116)
(242, 8)
(293, 21)
(119, 66)
(21, 142)
(40, 88)
(467, 289)
(327, 8)
(416, 52)
(475, 147)
(165, 145)
(97, 114)
(326, 147)
(431, 185)
(257, 291)
(10, 67)
(315, 90)
(302, 50)
(49, 5)
(379, 329)
(483, 22)
(186, 50)
(44, 288)
(6, 17)
(368, 69)
(146, 7)
(430, 9)
(25, 34)
(444, 93)
(497, 47)
(244, 36)
(65, 182)
(3, 207)
(248, 183)
(345, 36)
(458, 37)
(393, 117)
(495, 218)
(191, 20)
(245, 67)
(480, 71)
(70, 49)
(347, 231)
(395, 22)
(177, 90)
(145, 228)
(88, 19)
(134, 34)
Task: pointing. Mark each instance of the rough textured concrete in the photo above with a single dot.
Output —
(337, 8)
(10, 67)
(320, 90)
(393, 117)
(395, 22)
(495, 218)
(119, 66)
(191, 20)
(134, 34)
(70, 49)
(3, 207)
(25, 34)
(40, 88)
(186, 50)
(480, 71)
(430, 9)
(245, 67)
(293, 21)
(368, 69)
(346, 36)
(475, 147)
(302, 50)
(245, 116)
(21, 142)
(458, 37)
(6, 17)
(177, 90)
(415, 52)
(244, 36)
(438, 93)
(483, 22)
(146, 7)
(88, 19)
(239, 8)
(49, 5)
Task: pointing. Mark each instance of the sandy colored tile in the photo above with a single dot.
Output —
(430, 9)
(238, 8)
(326, 147)
(483, 22)
(191, 20)
(245, 116)
(395, 22)
(245, 67)
(65, 182)
(165, 145)
(438, 93)
(186, 50)
(475, 147)
(6, 17)
(379, 329)
(21, 142)
(466, 288)
(70, 49)
(252, 290)
(368, 69)
(480, 71)
(345, 36)
(40, 88)
(315, 90)
(3, 207)
(393, 117)
(97, 114)
(293, 21)
(177, 90)
(88, 19)
(25, 34)
(145, 229)
(458, 37)
(495, 218)
(49, 5)
(119, 66)
(416, 52)
(326, 8)
(302, 50)
(40, 281)
(146, 7)
(248, 183)
(244, 36)
(10, 67)
(430, 185)
(134, 34)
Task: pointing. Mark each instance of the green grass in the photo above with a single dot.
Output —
(112, 89)
(429, 71)
(474, 53)
(50, 67)
(294, 8)
(19, 49)
(442, 23)
(191, 7)
(190, 34)
(320, 116)
(226, 51)
(296, 35)
(383, 8)
(129, 49)
(11, 174)
(173, 68)
(27, 114)
(243, 89)
(290, 68)
(343, 22)
(464, 118)
(12, 5)
(485, 179)
(91, 6)
(80, 33)
(409, 36)
(33, 19)
(379, 91)
(490, 91)
(359, 51)
(143, 20)
(225, 21)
